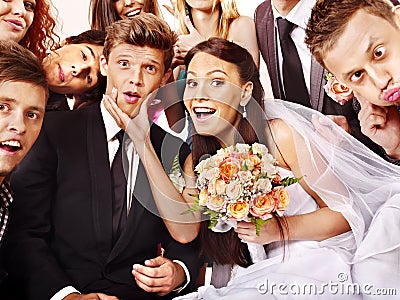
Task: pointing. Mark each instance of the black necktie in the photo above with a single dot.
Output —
(119, 188)
(293, 78)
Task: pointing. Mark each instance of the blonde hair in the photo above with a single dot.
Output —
(227, 13)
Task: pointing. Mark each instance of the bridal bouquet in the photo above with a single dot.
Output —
(241, 183)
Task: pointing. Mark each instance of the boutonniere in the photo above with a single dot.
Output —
(337, 90)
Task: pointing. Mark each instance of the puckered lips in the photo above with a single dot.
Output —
(10, 147)
(16, 24)
(132, 97)
(203, 113)
(133, 12)
(392, 95)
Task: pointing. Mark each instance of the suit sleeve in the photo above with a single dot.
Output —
(30, 259)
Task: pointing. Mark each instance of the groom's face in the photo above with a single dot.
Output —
(366, 58)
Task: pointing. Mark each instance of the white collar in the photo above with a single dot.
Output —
(110, 124)
(299, 14)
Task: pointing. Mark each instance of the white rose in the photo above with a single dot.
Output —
(212, 174)
(264, 185)
(233, 190)
(245, 176)
(259, 149)
(242, 147)
(220, 186)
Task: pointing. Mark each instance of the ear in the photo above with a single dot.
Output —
(166, 77)
(247, 90)
(396, 11)
(103, 65)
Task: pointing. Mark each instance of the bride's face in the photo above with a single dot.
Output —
(213, 94)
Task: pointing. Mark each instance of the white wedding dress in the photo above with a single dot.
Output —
(305, 269)
(351, 180)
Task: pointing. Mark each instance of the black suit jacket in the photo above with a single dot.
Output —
(319, 100)
(61, 232)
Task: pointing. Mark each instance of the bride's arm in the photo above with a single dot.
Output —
(318, 225)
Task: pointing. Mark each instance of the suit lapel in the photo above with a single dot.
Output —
(317, 92)
(141, 195)
(100, 180)
(267, 44)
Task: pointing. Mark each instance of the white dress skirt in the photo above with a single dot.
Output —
(303, 270)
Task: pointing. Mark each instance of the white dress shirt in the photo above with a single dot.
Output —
(299, 16)
(133, 158)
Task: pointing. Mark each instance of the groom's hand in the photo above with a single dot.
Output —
(159, 275)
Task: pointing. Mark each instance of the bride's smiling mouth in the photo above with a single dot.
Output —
(203, 113)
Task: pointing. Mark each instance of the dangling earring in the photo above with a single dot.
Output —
(244, 115)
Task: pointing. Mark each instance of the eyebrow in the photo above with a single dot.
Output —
(12, 100)
(209, 73)
(91, 52)
(371, 43)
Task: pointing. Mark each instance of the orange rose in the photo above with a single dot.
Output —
(203, 195)
(239, 210)
(228, 168)
(282, 199)
(263, 206)
(338, 91)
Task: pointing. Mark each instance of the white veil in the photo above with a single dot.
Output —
(350, 178)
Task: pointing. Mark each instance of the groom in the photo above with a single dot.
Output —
(70, 239)
(359, 42)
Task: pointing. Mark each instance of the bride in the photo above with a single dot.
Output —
(310, 251)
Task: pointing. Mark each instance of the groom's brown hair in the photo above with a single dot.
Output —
(329, 18)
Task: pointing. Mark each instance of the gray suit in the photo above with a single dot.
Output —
(320, 101)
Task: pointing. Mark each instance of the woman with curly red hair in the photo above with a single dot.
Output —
(30, 23)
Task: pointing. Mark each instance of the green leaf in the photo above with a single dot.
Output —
(175, 165)
(258, 222)
(244, 166)
(290, 180)
(193, 208)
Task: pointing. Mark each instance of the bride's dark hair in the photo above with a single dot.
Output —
(227, 248)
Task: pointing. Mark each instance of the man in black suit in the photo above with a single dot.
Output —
(21, 118)
(298, 12)
(69, 239)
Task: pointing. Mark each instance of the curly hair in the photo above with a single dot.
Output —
(41, 34)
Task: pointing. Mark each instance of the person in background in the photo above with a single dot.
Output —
(23, 95)
(370, 68)
(28, 23)
(88, 220)
(299, 77)
(73, 71)
(105, 12)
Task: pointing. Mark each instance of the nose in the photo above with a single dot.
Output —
(18, 8)
(202, 90)
(380, 77)
(136, 77)
(16, 123)
(128, 2)
(79, 69)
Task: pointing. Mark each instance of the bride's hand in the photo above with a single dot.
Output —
(138, 127)
(269, 232)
